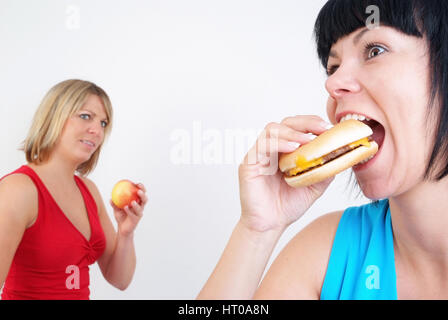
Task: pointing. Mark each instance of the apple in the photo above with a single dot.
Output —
(124, 192)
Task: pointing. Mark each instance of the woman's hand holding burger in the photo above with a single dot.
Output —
(267, 201)
(268, 206)
(278, 183)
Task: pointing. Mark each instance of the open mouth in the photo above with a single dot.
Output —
(378, 131)
(377, 128)
(378, 134)
(88, 143)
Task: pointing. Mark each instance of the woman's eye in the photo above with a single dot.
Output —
(373, 50)
(84, 116)
(104, 124)
(331, 70)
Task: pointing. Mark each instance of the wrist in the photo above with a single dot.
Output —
(129, 236)
(260, 235)
(256, 227)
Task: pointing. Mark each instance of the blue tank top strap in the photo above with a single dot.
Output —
(362, 260)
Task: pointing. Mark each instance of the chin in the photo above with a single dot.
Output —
(375, 190)
(82, 159)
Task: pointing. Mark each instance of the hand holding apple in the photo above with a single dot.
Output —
(128, 201)
(124, 192)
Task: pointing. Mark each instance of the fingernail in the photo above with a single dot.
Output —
(293, 145)
(326, 125)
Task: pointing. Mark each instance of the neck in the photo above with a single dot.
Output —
(57, 167)
(420, 223)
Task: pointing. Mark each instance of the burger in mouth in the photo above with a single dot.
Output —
(347, 144)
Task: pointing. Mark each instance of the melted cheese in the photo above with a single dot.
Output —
(362, 142)
(302, 164)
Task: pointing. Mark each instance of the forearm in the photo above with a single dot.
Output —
(241, 266)
(121, 267)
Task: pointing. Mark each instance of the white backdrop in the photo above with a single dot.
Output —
(202, 70)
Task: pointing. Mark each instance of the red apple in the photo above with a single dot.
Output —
(124, 192)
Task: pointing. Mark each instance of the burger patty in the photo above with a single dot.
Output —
(333, 155)
(336, 153)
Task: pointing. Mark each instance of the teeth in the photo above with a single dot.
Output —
(354, 116)
(364, 161)
(88, 142)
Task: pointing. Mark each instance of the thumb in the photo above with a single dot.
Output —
(320, 187)
(119, 215)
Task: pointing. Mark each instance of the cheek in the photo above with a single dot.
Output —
(66, 131)
(331, 109)
(402, 97)
(102, 135)
(401, 90)
(72, 130)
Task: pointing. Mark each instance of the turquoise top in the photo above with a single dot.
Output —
(362, 264)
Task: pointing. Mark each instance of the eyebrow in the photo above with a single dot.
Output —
(355, 41)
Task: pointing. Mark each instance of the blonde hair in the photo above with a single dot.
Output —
(60, 103)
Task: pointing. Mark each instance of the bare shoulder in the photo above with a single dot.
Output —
(92, 187)
(299, 270)
(16, 180)
(18, 198)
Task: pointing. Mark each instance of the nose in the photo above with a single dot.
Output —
(95, 128)
(343, 82)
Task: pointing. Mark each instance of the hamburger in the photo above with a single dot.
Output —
(343, 146)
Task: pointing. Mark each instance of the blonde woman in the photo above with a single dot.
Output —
(53, 221)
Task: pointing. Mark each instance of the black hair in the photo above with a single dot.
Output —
(420, 18)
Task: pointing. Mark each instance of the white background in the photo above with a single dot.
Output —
(167, 66)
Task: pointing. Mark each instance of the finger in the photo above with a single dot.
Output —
(128, 210)
(133, 210)
(318, 187)
(119, 214)
(268, 147)
(266, 150)
(141, 187)
(136, 209)
(143, 197)
(282, 131)
(113, 205)
(307, 123)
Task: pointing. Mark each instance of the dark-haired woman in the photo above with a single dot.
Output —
(395, 247)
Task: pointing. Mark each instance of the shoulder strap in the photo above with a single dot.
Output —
(362, 264)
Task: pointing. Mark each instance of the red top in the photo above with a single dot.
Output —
(52, 260)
